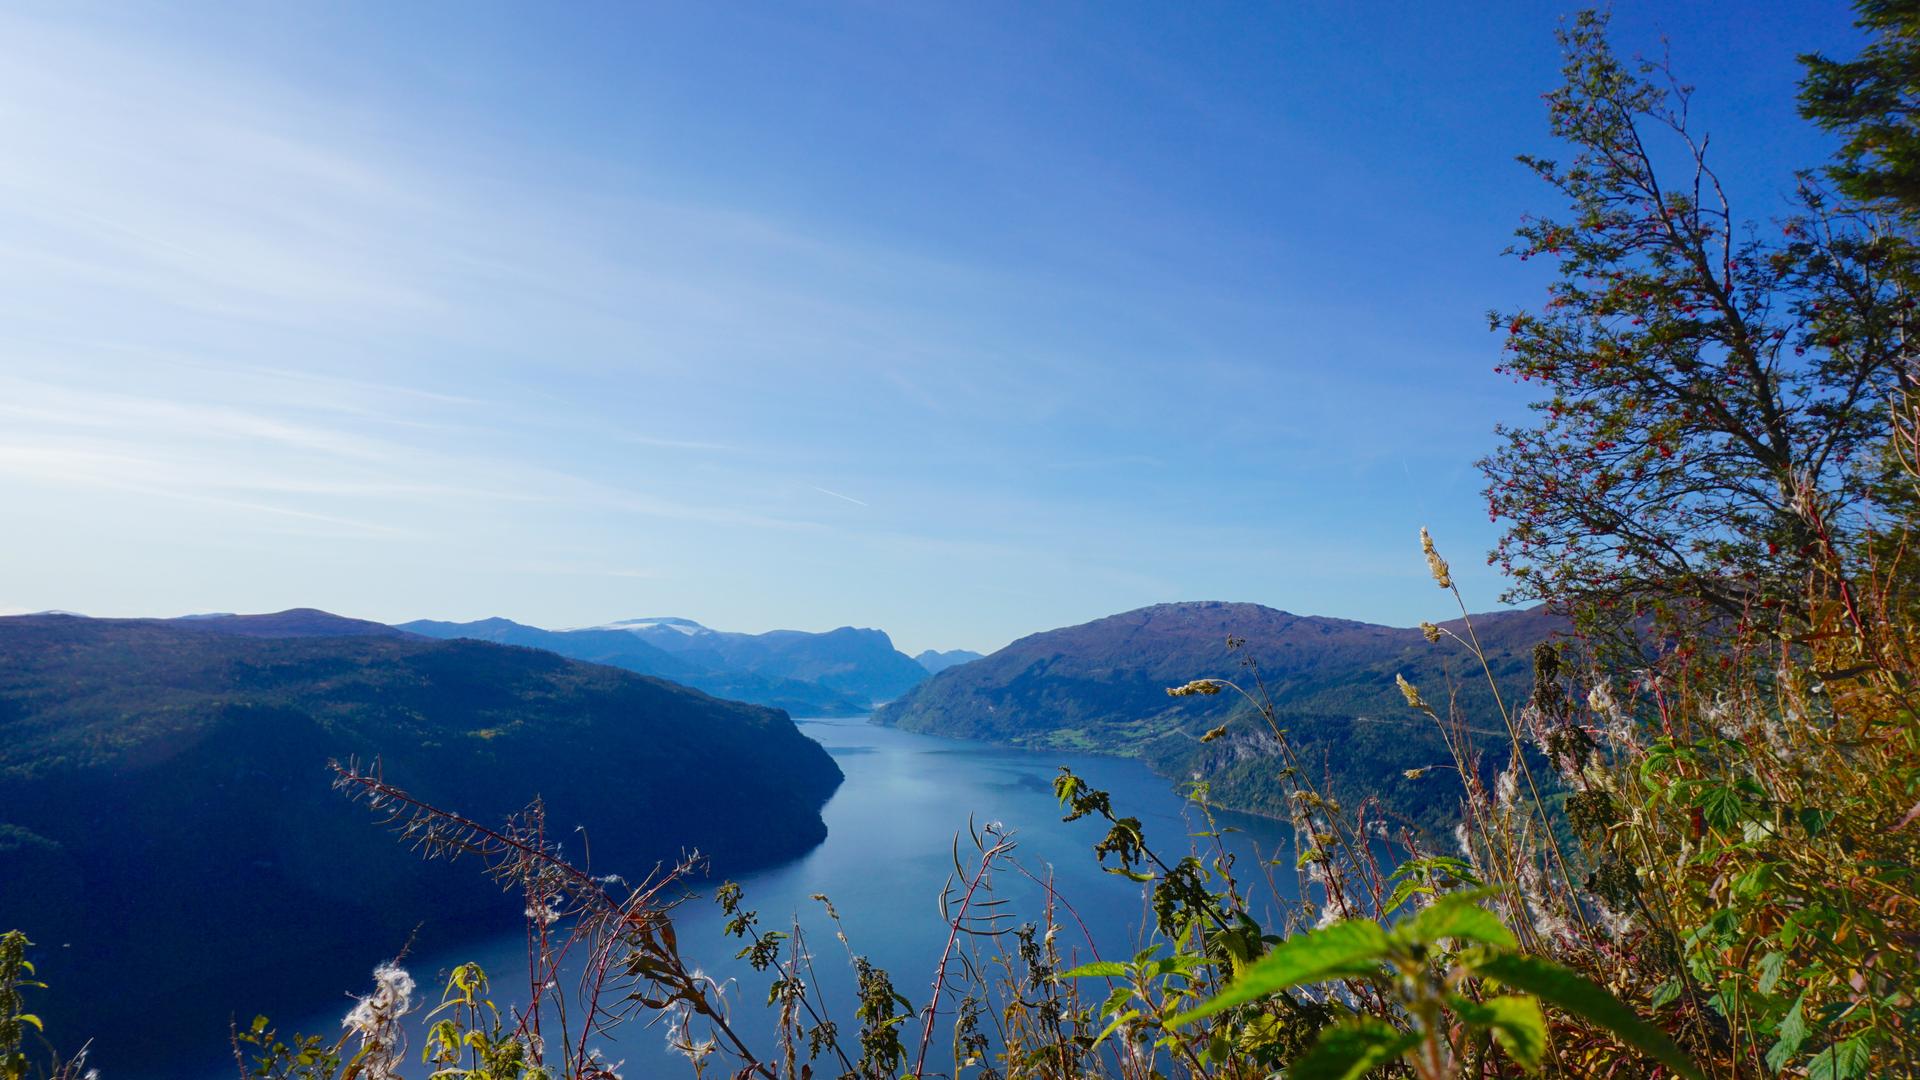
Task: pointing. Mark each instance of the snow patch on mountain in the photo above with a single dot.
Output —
(664, 622)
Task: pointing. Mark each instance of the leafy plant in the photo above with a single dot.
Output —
(1438, 968)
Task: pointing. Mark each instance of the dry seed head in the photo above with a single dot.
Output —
(1197, 686)
(1430, 632)
(1437, 566)
(1411, 692)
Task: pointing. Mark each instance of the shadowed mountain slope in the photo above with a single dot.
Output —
(168, 830)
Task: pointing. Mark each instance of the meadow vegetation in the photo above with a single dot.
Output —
(1692, 850)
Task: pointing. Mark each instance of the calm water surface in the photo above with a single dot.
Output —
(887, 854)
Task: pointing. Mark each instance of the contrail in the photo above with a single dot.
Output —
(837, 495)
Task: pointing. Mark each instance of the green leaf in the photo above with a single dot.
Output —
(1756, 881)
(1563, 989)
(1220, 1047)
(1516, 1024)
(1345, 949)
(1722, 806)
(1404, 891)
(1458, 915)
(1842, 1061)
(1182, 964)
(1771, 966)
(1115, 1024)
(1434, 866)
(1815, 821)
(1352, 1050)
(1793, 1031)
(1099, 969)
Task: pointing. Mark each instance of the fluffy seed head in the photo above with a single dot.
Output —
(1437, 566)
(1410, 692)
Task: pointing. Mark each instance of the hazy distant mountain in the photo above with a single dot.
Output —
(860, 663)
(837, 673)
(164, 807)
(600, 647)
(936, 661)
(1102, 687)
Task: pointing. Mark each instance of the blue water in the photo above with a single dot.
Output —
(888, 853)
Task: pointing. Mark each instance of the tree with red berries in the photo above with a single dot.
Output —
(1713, 393)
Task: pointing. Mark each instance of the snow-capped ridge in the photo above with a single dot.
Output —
(661, 622)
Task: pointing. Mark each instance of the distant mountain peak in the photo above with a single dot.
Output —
(938, 660)
(658, 622)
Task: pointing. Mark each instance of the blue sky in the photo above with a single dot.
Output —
(963, 321)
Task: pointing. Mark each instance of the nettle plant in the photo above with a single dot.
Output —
(16, 1061)
(1445, 975)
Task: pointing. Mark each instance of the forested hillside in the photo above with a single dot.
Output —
(168, 823)
(1102, 686)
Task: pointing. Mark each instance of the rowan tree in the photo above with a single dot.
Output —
(1710, 389)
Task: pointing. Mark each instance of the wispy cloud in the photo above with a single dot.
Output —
(673, 444)
(837, 495)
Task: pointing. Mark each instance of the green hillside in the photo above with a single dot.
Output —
(168, 812)
(1102, 686)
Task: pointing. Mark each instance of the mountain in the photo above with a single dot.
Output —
(686, 627)
(635, 652)
(166, 811)
(1102, 687)
(840, 672)
(294, 622)
(936, 661)
(860, 663)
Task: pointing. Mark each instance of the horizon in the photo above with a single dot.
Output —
(610, 624)
(959, 327)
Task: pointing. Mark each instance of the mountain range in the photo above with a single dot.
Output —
(936, 661)
(1102, 686)
(161, 774)
(168, 832)
(843, 672)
